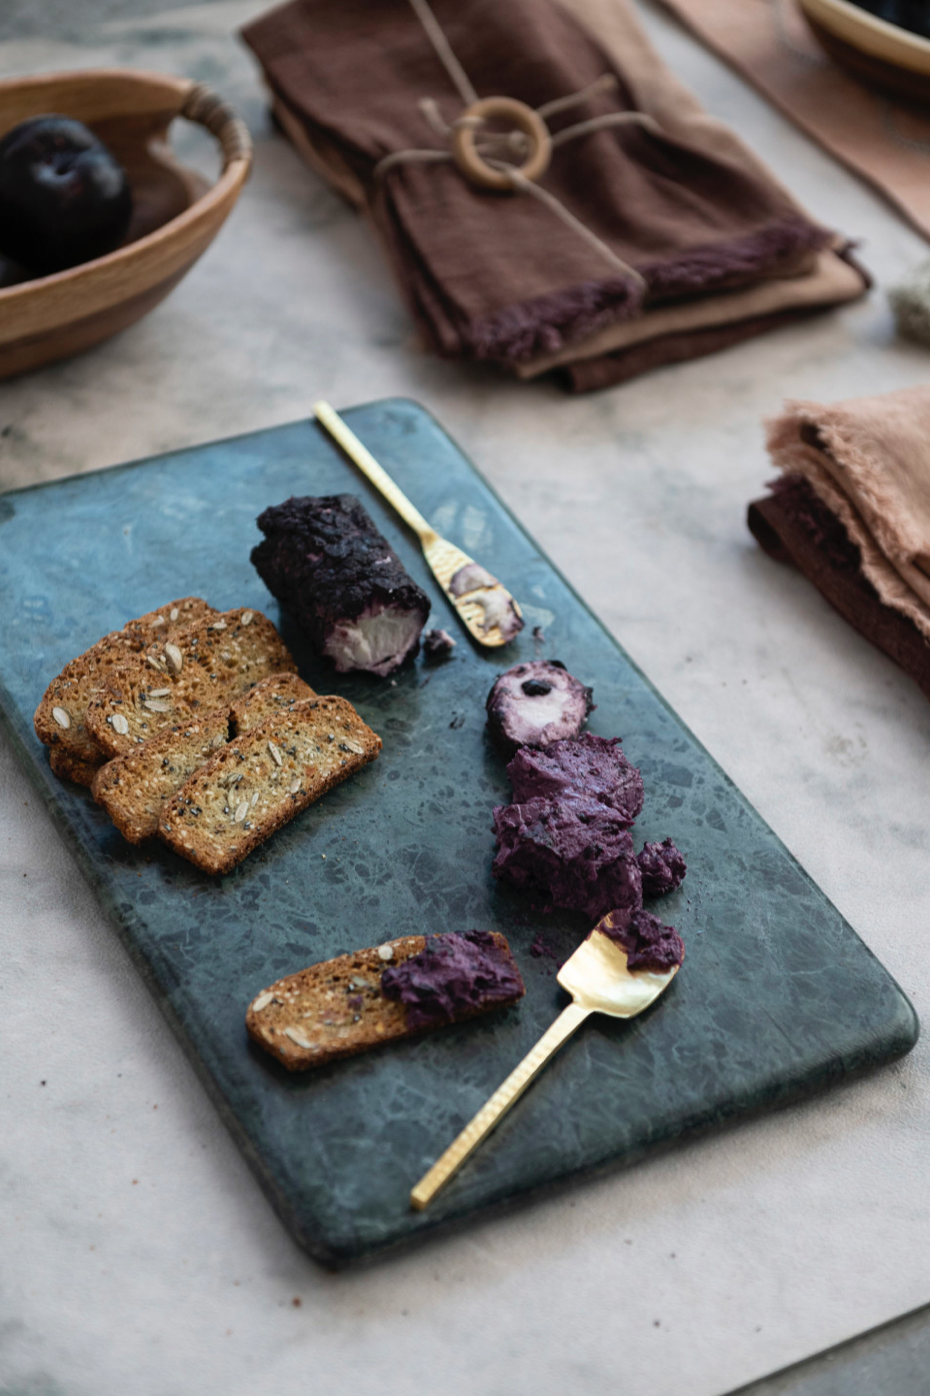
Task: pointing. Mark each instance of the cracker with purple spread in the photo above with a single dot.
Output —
(406, 986)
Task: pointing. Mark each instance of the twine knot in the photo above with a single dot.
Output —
(481, 154)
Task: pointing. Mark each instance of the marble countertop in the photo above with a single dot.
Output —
(139, 1254)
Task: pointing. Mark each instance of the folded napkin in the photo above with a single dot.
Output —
(690, 328)
(678, 212)
(853, 512)
(793, 525)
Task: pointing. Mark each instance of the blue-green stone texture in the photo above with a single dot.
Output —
(777, 998)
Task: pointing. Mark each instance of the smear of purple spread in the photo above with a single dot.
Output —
(588, 767)
(574, 853)
(453, 975)
(647, 942)
(542, 949)
(663, 868)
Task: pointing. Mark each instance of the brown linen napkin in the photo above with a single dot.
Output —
(793, 525)
(498, 276)
(884, 140)
(868, 461)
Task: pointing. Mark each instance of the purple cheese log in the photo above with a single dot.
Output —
(575, 853)
(329, 566)
(663, 868)
(535, 704)
(647, 943)
(588, 766)
(452, 976)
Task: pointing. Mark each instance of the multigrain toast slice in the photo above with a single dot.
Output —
(206, 667)
(338, 1008)
(59, 718)
(134, 788)
(263, 778)
(273, 695)
(66, 766)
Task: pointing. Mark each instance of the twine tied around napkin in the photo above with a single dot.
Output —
(482, 163)
(668, 191)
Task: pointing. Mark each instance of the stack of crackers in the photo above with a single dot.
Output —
(192, 725)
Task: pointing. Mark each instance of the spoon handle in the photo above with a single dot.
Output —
(493, 1110)
(376, 473)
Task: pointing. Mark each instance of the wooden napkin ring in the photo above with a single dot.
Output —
(477, 169)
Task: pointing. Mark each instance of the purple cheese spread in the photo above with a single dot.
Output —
(454, 976)
(573, 853)
(648, 944)
(663, 868)
(587, 767)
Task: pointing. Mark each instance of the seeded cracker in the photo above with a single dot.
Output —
(59, 718)
(134, 788)
(336, 1009)
(263, 778)
(208, 666)
(270, 696)
(66, 766)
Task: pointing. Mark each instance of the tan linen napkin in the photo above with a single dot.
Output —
(885, 141)
(868, 460)
(831, 281)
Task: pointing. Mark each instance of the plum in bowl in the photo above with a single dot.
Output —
(175, 213)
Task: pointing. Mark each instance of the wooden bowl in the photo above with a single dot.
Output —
(176, 213)
(881, 54)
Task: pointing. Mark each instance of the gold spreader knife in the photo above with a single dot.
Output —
(485, 607)
(599, 981)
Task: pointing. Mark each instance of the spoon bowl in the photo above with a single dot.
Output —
(598, 978)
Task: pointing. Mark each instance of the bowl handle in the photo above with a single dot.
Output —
(206, 108)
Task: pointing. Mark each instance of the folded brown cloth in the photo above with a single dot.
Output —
(853, 512)
(499, 276)
(584, 375)
(793, 525)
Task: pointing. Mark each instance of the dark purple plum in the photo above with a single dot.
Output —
(64, 199)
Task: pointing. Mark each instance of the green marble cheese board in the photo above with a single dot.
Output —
(778, 996)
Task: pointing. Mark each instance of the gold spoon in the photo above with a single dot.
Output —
(599, 981)
(485, 607)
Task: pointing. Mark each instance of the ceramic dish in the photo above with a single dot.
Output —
(176, 212)
(881, 54)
